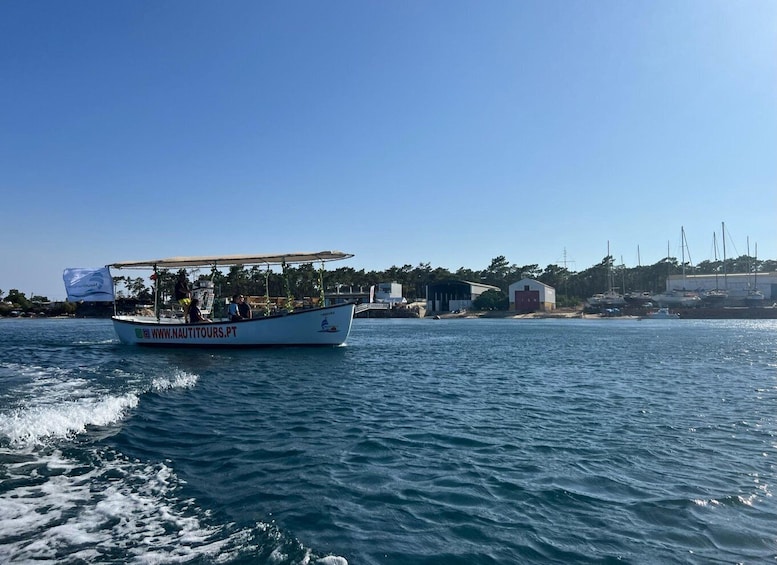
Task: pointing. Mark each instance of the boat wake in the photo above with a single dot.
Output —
(57, 508)
(33, 425)
(66, 497)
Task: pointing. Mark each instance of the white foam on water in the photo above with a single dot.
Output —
(179, 379)
(32, 425)
(41, 380)
(278, 556)
(335, 560)
(39, 501)
(60, 403)
(117, 510)
(96, 342)
(104, 508)
(67, 509)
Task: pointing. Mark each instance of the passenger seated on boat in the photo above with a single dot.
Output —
(244, 308)
(234, 310)
(195, 315)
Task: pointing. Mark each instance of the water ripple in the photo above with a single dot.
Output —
(464, 441)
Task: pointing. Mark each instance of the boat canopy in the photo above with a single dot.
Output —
(233, 260)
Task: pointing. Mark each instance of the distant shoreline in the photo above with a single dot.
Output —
(743, 313)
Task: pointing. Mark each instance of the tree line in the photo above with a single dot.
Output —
(307, 281)
(571, 287)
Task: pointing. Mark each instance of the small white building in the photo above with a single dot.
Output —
(390, 293)
(529, 295)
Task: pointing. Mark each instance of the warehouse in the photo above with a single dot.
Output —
(453, 295)
(529, 295)
(737, 285)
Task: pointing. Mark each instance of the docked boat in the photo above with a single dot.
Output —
(662, 314)
(608, 299)
(638, 298)
(315, 326)
(754, 298)
(717, 296)
(714, 296)
(678, 299)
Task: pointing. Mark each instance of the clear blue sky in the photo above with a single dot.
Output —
(447, 132)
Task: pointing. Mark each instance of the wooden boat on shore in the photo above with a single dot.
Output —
(316, 326)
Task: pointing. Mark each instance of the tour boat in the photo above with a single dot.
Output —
(320, 325)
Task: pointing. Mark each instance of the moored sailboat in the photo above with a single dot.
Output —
(716, 296)
(754, 297)
(678, 297)
(610, 298)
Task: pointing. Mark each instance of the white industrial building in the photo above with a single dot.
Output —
(736, 284)
(390, 293)
(529, 295)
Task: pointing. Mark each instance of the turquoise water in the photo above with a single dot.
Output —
(422, 441)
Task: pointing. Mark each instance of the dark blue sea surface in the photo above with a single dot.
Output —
(466, 441)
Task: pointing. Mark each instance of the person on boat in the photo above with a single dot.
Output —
(244, 308)
(182, 291)
(195, 314)
(234, 310)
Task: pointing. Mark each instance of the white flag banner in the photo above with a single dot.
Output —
(88, 285)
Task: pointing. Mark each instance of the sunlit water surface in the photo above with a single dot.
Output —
(422, 441)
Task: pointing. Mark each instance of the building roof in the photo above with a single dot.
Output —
(447, 282)
(532, 281)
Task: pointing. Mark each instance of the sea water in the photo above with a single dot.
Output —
(466, 441)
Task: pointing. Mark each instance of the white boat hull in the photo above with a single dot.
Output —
(677, 299)
(327, 326)
(609, 299)
(663, 314)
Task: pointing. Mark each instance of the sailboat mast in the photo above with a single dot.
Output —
(682, 251)
(723, 235)
(749, 262)
(623, 275)
(715, 252)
